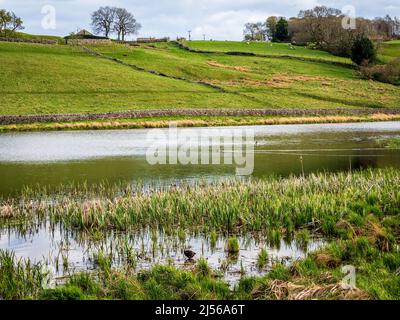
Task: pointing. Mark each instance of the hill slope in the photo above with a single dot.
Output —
(41, 79)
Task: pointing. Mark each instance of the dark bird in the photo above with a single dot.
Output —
(189, 254)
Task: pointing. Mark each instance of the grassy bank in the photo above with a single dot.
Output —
(197, 121)
(357, 212)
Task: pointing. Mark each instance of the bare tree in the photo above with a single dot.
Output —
(255, 31)
(125, 23)
(103, 20)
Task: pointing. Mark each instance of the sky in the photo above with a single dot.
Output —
(216, 19)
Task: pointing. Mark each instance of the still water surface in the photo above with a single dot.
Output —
(53, 158)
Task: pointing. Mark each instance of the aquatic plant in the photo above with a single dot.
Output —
(262, 259)
(202, 267)
(232, 246)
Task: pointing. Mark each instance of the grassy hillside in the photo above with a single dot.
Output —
(39, 79)
(62, 79)
(271, 82)
(389, 51)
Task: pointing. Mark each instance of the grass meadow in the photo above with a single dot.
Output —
(58, 79)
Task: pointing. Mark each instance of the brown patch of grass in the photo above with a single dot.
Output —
(283, 290)
(325, 259)
(236, 68)
(379, 236)
(7, 211)
(277, 81)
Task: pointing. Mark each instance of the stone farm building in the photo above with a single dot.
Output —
(84, 37)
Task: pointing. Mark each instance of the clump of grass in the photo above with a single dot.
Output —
(262, 259)
(202, 267)
(68, 292)
(232, 246)
(20, 279)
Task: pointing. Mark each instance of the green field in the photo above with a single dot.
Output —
(44, 79)
(389, 51)
(265, 48)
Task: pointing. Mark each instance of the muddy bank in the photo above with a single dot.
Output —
(132, 114)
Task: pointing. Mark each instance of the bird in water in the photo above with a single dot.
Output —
(189, 254)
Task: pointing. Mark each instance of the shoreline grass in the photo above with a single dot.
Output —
(199, 121)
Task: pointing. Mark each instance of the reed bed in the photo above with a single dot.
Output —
(358, 213)
(328, 204)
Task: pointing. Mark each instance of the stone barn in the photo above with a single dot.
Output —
(84, 37)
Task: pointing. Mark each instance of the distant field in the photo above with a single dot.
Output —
(265, 48)
(389, 50)
(41, 79)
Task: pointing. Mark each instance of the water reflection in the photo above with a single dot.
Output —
(53, 158)
(66, 252)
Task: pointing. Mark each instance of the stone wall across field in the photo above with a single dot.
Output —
(132, 114)
(40, 41)
(151, 40)
(82, 42)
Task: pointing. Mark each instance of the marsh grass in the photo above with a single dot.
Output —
(262, 259)
(357, 212)
(331, 205)
(20, 279)
(232, 246)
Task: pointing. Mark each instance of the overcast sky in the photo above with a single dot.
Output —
(217, 19)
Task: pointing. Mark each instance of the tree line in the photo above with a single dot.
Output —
(9, 23)
(322, 28)
(109, 20)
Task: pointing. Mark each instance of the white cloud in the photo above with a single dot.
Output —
(218, 19)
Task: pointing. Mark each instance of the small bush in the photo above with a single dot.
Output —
(363, 51)
(387, 73)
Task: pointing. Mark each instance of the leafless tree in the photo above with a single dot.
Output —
(103, 20)
(255, 31)
(125, 23)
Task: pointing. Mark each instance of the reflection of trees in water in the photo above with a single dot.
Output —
(364, 162)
